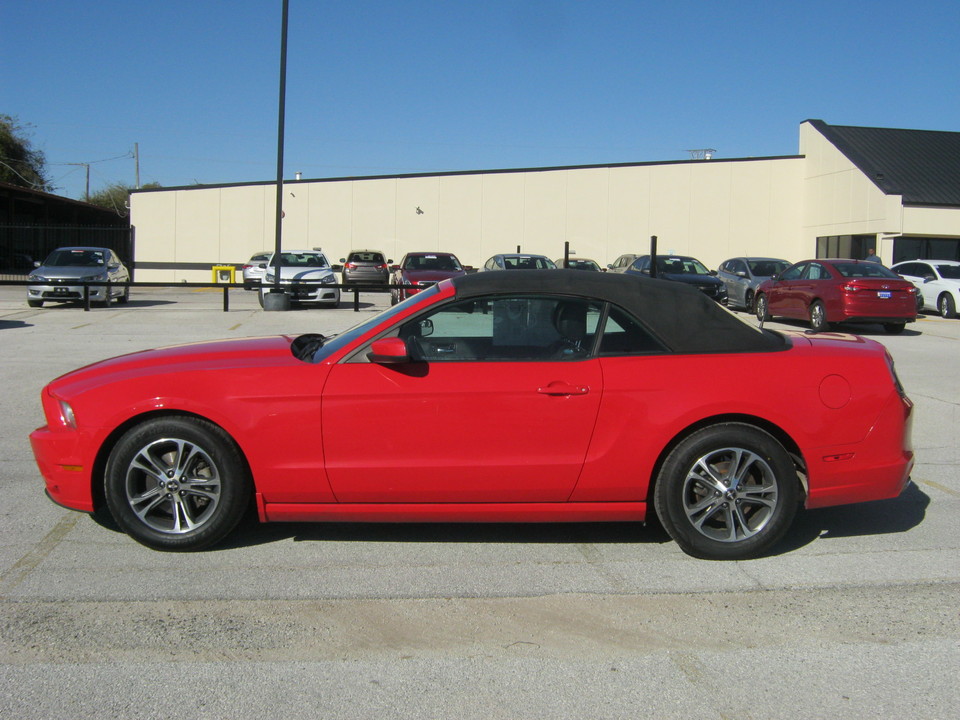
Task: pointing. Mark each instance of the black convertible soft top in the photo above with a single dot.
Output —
(681, 316)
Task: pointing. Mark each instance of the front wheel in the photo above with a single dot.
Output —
(748, 302)
(946, 307)
(727, 492)
(818, 317)
(177, 483)
(760, 308)
(35, 303)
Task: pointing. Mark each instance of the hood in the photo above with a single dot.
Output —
(691, 279)
(305, 274)
(70, 272)
(431, 275)
(212, 355)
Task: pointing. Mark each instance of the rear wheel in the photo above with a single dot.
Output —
(818, 317)
(177, 483)
(760, 308)
(727, 492)
(946, 306)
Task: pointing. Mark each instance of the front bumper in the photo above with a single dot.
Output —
(65, 470)
(313, 293)
(64, 293)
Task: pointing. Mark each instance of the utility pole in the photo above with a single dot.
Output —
(136, 159)
(86, 192)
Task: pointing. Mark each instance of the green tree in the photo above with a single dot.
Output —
(20, 163)
(116, 197)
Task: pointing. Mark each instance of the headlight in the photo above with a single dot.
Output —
(36, 278)
(328, 280)
(94, 278)
(66, 415)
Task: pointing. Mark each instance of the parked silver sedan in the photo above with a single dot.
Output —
(743, 275)
(305, 276)
(68, 265)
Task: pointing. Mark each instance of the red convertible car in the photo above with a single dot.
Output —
(497, 397)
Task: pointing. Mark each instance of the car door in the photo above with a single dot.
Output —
(496, 406)
(783, 293)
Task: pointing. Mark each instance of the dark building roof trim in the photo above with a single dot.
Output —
(922, 166)
(455, 173)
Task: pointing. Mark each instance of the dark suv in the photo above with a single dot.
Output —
(682, 268)
(367, 267)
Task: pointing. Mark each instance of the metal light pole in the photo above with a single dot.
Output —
(275, 298)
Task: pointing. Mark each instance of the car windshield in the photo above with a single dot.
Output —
(581, 264)
(432, 262)
(865, 270)
(333, 344)
(302, 260)
(527, 262)
(366, 257)
(950, 272)
(767, 268)
(81, 258)
(681, 266)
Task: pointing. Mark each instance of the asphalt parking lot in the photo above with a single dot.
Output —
(855, 615)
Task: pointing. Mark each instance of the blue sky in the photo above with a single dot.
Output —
(423, 86)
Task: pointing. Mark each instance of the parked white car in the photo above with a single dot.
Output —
(306, 276)
(938, 280)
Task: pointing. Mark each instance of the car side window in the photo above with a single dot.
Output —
(623, 335)
(512, 328)
(794, 273)
(816, 271)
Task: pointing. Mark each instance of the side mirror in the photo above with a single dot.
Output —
(426, 327)
(389, 262)
(929, 278)
(713, 272)
(741, 273)
(262, 266)
(388, 351)
(36, 263)
(343, 260)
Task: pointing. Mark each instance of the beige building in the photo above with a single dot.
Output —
(848, 189)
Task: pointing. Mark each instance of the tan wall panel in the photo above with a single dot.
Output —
(374, 215)
(544, 213)
(155, 216)
(628, 216)
(937, 222)
(461, 218)
(502, 219)
(416, 230)
(587, 214)
(243, 212)
(330, 214)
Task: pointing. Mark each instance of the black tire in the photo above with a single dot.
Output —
(894, 328)
(708, 511)
(760, 308)
(125, 297)
(177, 483)
(34, 303)
(748, 301)
(946, 307)
(818, 317)
(260, 297)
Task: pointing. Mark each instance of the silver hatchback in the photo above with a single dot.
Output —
(366, 266)
(52, 280)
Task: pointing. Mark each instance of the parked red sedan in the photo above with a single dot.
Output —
(519, 396)
(835, 291)
(422, 269)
